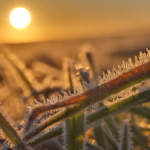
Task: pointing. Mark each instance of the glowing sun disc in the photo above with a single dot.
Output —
(20, 17)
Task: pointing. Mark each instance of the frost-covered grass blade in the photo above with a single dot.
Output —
(125, 142)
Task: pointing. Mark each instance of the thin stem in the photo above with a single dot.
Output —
(98, 93)
(118, 106)
(103, 112)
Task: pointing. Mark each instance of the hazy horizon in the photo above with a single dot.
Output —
(65, 20)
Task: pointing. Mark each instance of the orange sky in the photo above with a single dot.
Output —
(73, 19)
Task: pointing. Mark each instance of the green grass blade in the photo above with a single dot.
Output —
(143, 112)
(125, 142)
(99, 137)
(74, 131)
(120, 106)
(112, 127)
(48, 135)
(139, 138)
(111, 85)
(100, 114)
(11, 134)
(110, 143)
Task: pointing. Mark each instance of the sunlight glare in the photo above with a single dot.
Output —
(20, 17)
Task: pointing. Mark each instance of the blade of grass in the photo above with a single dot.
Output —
(112, 127)
(103, 112)
(120, 106)
(99, 137)
(11, 133)
(97, 93)
(143, 112)
(20, 73)
(125, 142)
(139, 138)
(74, 130)
(100, 114)
(110, 144)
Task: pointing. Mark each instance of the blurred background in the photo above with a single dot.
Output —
(116, 29)
(111, 30)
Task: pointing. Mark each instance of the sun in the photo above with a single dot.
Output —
(20, 17)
